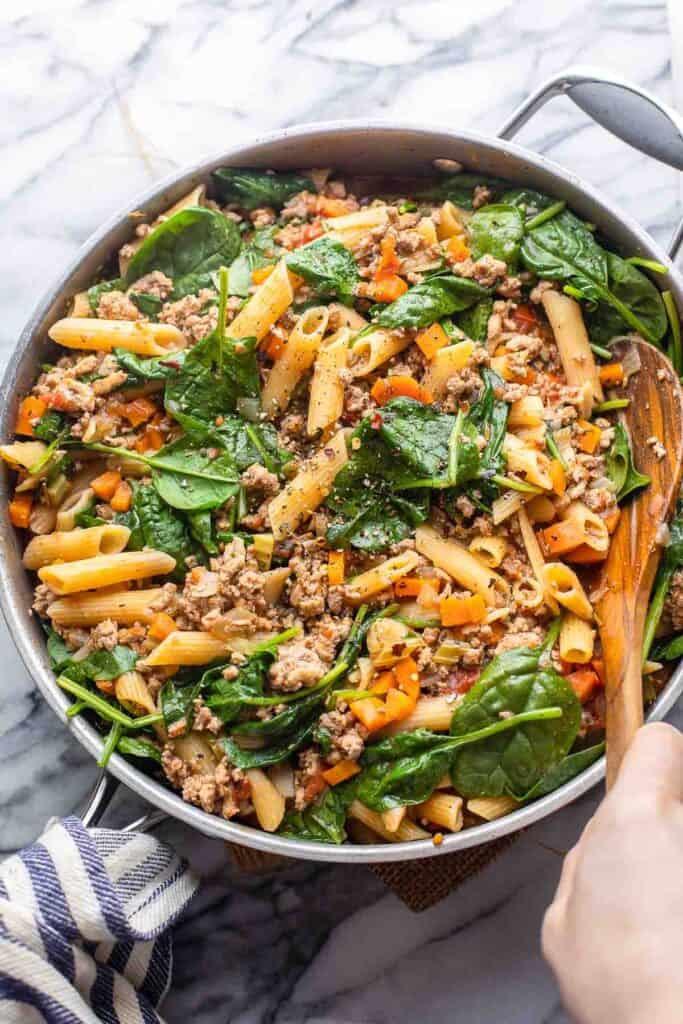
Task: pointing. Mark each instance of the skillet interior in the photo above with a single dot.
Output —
(350, 148)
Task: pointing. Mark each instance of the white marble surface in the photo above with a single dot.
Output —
(100, 99)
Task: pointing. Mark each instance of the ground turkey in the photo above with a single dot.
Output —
(348, 735)
(297, 665)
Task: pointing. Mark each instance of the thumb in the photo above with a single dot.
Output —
(653, 763)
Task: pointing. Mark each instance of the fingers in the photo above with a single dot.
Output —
(653, 763)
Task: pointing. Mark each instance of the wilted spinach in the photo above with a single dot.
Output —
(154, 524)
(496, 230)
(568, 768)
(327, 267)
(636, 292)
(50, 426)
(250, 188)
(671, 561)
(459, 189)
(226, 697)
(100, 664)
(260, 251)
(130, 746)
(433, 299)
(530, 202)
(142, 369)
(149, 305)
(620, 467)
(96, 291)
(322, 821)
(474, 321)
(188, 248)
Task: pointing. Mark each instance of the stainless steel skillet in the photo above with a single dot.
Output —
(348, 146)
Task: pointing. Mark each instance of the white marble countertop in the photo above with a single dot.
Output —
(100, 100)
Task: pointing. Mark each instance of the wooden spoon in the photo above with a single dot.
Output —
(626, 579)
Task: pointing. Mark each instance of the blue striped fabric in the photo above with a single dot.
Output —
(84, 919)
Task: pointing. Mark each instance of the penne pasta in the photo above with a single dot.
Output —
(75, 502)
(370, 352)
(407, 831)
(577, 639)
(573, 344)
(72, 545)
(491, 807)
(445, 364)
(563, 584)
(532, 464)
(133, 693)
(593, 527)
(536, 559)
(300, 498)
(105, 570)
(125, 607)
(138, 336)
(443, 809)
(526, 412)
(297, 358)
(326, 399)
(489, 550)
(433, 713)
(392, 819)
(270, 300)
(373, 582)
(457, 561)
(352, 228)
(268, 801)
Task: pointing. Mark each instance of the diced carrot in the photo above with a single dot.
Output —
(259, 274)
(384, 682)
(328, 207)
(412, 586)
(528, 377)
(387, 289)
(460, 611)
(407, 676)
(152, 440)
(399, 705)
(611, 374)
(20, 510)
(122, 497)
(589, 436)
(456, 250)
(389, 263)
(611, 519)
(557, 477)
(335, 568)
(139, 411)
(107, 686)
(386, 388)
(341, 771)
(30, 410)
(371, 712)
(431, 339)
(585, 555)
(315, 785)
(274, 347)
(584, 682)
(105, 485)
(561, 537)
(161, 626)
(524, 316)
(308, 233)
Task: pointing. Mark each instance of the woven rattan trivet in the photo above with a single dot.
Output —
(418, 883)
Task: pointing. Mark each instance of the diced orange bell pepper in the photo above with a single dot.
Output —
(20, 510)
(585, 555)
(274, 347)
(589, 437)
(399, 705)
(260, 274)
(611, 374)
(329, 207)
(561, 537)
(524, 316)
(139, 411)
(387, 289)
(30, 410)
(151, 441)
(384, 682)
(461, 611)
(584, 682)
(431, 339)
(341, 772)
(557, 477)
(105, 485)
(389, 263)
(456, 250)
(161, 626)
(397, 386)
(122, 497)
(407, 676)
(335, 568)
(371, 712)
(409, 586)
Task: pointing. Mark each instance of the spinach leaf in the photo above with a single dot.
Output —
(405, 769)
(322, 821)
(226, 697)
(668, 649)
(418, 435)
(188, 248)
(530, 202)
(260, 251)
(635, 291)
(251, 188)
(100, 664)
(57, 651)
(50, 425)
(516, 681)
(496, 230)
(459, 188)
(672, 559)
(177, 702)
(130, 746)
(141, 369)
(490, 416)
(284, 722)
(88, 517)
(187, 478)
(564, 249)
(251, 442)
(97, 290)
(474, 321)
(328, 267)
(201, 528)
(156, 525)
(433, 299)
(568, 768)
(278, 751)
(149, 305)
(620, 467)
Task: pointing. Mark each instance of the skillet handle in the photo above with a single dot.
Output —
(624, 109)
(98, 803)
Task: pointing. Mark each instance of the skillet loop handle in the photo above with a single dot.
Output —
(100, 799)
(624, 109)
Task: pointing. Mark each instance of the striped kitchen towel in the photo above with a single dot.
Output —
(84, 919)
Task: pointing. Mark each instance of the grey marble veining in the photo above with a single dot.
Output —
(100, 99)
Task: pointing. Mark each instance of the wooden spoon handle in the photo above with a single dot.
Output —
(624, 704)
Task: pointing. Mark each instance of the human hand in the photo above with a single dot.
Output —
(614, 932)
